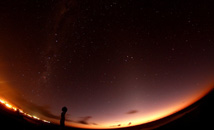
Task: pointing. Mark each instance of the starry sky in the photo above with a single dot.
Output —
(112, 63)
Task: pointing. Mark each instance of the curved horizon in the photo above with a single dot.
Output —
(159, 115)
(125, 122)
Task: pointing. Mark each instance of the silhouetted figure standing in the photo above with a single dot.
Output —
(62, 120)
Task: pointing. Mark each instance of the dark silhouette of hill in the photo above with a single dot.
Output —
(199, 118)
(11, 120)
(196, 116)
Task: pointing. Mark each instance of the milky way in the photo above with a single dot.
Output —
(111, 63)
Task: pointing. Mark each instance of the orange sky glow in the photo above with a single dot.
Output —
(124, 121)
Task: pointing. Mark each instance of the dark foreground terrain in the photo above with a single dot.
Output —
(197, 116)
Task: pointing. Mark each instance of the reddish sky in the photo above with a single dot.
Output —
(109, 62)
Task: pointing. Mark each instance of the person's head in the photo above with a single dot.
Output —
(64, 109)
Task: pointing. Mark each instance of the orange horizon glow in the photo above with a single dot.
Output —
(141, 119)
(15, 109)
(156, 116)
(12, 107)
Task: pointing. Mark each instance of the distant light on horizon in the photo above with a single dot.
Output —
(11, 107)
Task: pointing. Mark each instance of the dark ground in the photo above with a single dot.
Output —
(197, 116)
(201, 118)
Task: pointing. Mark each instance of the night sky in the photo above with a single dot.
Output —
(112, 63)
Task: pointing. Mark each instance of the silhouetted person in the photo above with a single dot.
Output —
(62, 120)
